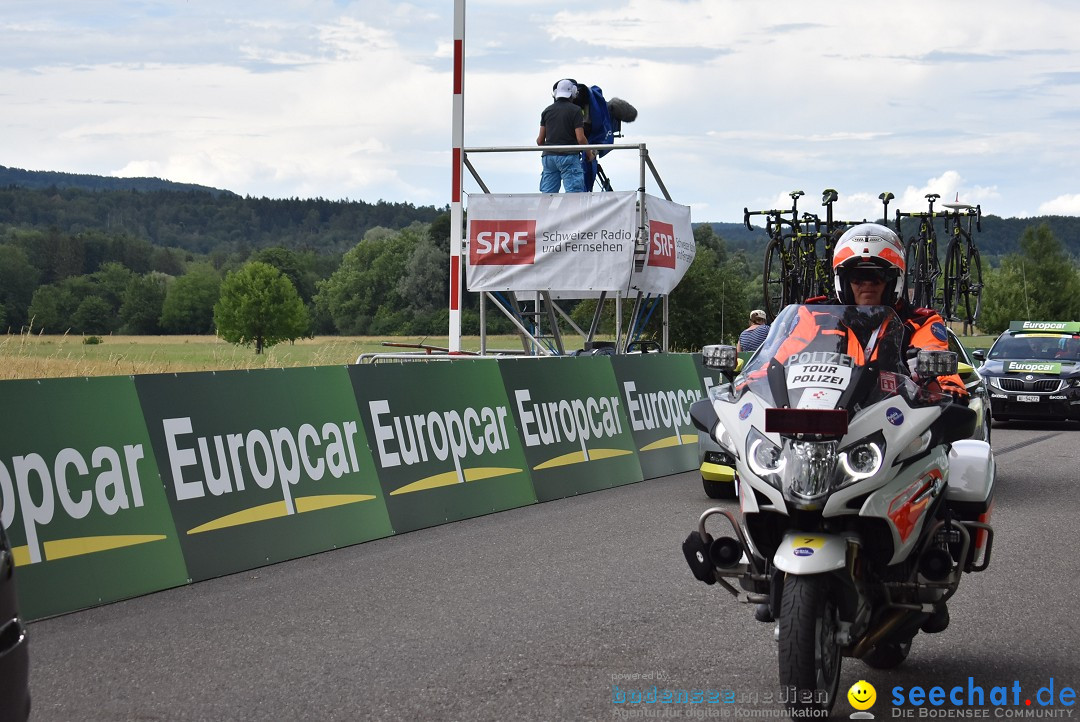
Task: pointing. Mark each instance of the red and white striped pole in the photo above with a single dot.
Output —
(456, 211)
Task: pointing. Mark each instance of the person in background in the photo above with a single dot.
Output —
(755, 333)
(562, 123)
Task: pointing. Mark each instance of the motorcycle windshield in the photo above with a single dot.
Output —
(828, 357)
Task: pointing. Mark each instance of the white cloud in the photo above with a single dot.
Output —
(1063, 205)
(740, 102)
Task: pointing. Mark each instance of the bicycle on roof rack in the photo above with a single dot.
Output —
(817, 277)
(923, 268)
(963, 267)
(814, 277)
(834, 228)
(782, 278)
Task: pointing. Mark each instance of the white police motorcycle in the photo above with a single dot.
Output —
(862, 500)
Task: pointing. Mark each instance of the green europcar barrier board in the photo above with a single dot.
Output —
(262, 466)
(443, 440)
(657, 390)
(573, 423)
(81, 496)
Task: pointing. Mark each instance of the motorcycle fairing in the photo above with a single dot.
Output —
(814, 553)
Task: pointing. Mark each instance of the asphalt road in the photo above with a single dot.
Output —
(546, 613)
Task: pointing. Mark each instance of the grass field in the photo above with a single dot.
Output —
(39, 357)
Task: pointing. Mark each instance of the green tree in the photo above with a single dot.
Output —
(167, 260)
(111, 282)
(53, 307)
(189, 301)
(426, 283)
(18, 280)
(705, 236)
(259, 305)
(297, 267)
(362, 296)
(144, 297)
(94, 314)
(50, 310)
(1041, 282)
(439, 232)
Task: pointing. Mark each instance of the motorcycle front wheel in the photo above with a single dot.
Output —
(809, 651)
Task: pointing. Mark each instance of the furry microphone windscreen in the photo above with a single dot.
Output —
(621, 110)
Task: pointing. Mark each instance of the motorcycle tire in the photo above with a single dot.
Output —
(809, 653)
(887, 656)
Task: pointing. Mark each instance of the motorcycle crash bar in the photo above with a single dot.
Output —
(725, 554)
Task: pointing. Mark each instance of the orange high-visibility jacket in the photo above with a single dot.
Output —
(924, 329)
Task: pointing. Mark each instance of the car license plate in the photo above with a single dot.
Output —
(1029, 399)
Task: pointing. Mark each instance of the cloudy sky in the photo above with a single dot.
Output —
(740, 101)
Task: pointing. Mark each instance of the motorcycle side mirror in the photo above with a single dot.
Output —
(931, 364)
(703, 416)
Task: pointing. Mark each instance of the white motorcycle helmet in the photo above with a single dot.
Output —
(869, 245)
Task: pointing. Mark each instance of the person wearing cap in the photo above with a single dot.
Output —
(755, 333)
(562, 123)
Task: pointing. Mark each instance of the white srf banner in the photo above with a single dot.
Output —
(546, 242)
(671, 247)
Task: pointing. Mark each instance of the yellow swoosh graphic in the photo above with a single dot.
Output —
(327, 501)
(276, 509)
(670, 441)
(450, 477)
(64, 548)
(578, 457)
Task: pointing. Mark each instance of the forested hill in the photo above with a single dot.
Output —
(201, 219)
(44, 180)
(999, 236)
(193, 218)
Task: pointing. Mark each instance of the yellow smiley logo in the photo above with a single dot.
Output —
(862, 695)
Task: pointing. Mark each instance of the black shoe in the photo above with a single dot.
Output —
(763, 614)
(938, 621)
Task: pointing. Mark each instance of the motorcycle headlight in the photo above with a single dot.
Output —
(861, 460)
(764, 457)
(808, 470)
(811, 467)
(724, 439)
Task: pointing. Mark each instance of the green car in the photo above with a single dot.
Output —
(1033, 371)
